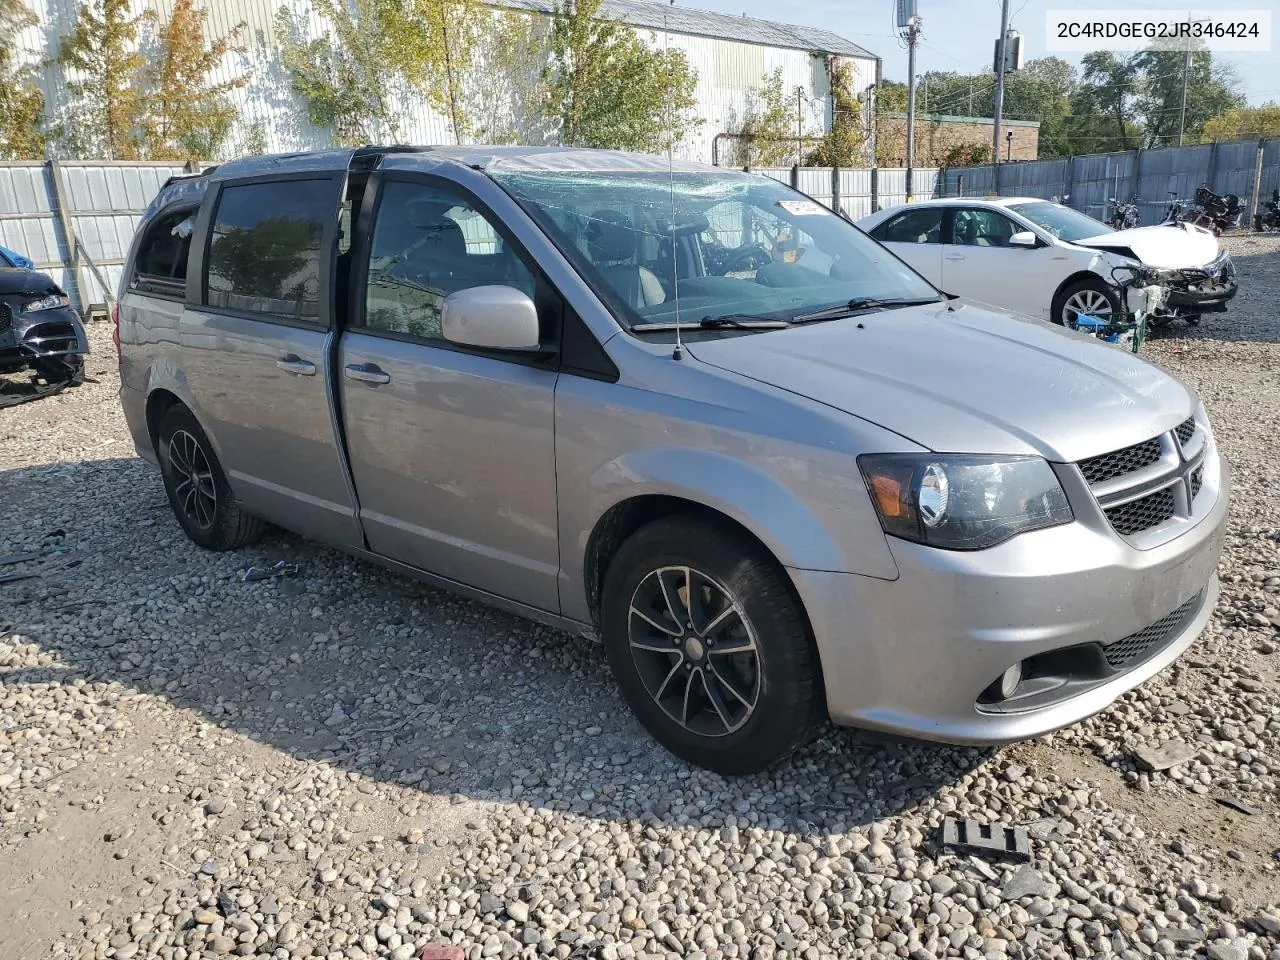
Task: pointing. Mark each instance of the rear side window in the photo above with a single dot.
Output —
(914, 226)
(264, 248)
(160, 268)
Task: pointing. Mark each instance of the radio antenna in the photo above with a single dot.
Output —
(678, 354)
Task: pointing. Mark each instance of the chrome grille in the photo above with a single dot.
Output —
(1119, 462)
(1136, 645)
(1143, 513)
(1186, 430)
(6, 318)
(1197, 481)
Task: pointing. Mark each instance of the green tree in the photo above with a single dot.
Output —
(606, 88)
(1103, 107)
(186, 114)
(22, 136)
(1240, 123)
(766, 135)
(841, 146)
(102, 50)
(431, 43)
(505, 89)
(1211, 90)
(348, 76)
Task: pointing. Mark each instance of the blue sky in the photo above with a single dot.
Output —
(959, 34)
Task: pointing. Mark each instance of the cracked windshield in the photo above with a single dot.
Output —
(747, 250)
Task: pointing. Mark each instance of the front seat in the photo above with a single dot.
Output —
(611, 245)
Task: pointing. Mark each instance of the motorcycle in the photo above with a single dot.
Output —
(1124, 216)
(1269, 217)
(1217, 212)
(1179, 211)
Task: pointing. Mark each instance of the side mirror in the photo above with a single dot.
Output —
(494, 317)
(1024, 239)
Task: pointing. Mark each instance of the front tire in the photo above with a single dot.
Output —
(709, 645)
(1088, 296)
(197, 488)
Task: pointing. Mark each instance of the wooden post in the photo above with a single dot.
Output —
(835, 189)
(1070, 180)
(875, 189)
(1136, 178)
(1257, 183)
(1212, 171)
(61, 200)
(795, 176)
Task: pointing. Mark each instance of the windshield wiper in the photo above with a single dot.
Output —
(734, 321)
(858, 304)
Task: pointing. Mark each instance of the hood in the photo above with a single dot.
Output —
(966, 380)
(15, 280)
(1170, 247)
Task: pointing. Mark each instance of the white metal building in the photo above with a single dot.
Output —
(732, 56)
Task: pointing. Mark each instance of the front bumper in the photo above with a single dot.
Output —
(917, 656)
(27, 338)
(1203, 290)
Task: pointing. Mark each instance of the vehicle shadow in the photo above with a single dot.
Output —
(380, 674)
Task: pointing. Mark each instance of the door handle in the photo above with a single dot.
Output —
(297, 366)
(954, 257)
(366, 373)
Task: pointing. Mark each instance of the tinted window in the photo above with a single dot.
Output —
(914, 226)
(264, 251)
(982, 228)
(161, 264)
(429, 242)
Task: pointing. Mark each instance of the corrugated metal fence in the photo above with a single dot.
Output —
(1248, 168)
(75, 220)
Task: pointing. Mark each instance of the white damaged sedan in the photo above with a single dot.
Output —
(1045, 260)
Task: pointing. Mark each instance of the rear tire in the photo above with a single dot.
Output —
(1086, 296)
(733, 686)
(197, 488)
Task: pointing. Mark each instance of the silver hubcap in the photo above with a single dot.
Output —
(192, 479)
(1089, 302)
(695, 650)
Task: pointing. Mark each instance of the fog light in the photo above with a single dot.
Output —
(1010, 679)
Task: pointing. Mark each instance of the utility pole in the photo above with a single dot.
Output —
(1002, 60)
(913, 36)
(1186, 78)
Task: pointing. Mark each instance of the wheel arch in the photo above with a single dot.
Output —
(624, 518)
(1091, 276)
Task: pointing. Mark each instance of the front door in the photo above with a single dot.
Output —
(255, 358)
(452, 450)
(979, 264)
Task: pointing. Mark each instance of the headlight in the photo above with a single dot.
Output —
(51, 302)
(963, 502)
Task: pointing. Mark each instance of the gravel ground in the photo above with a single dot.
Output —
(346, 764)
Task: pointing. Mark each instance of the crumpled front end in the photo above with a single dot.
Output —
(41, 336)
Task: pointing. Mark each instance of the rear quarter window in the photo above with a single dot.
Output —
(160, 266)
(264, 248)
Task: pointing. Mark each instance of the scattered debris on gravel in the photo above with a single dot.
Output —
(340, 763)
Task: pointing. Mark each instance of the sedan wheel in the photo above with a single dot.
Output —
(193, 479)
(1086, 297)
(1092, 303)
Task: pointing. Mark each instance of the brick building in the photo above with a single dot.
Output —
(937, 136)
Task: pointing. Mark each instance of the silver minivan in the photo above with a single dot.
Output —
(687, 411)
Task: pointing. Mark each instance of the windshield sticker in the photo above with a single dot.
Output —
(802, 208)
